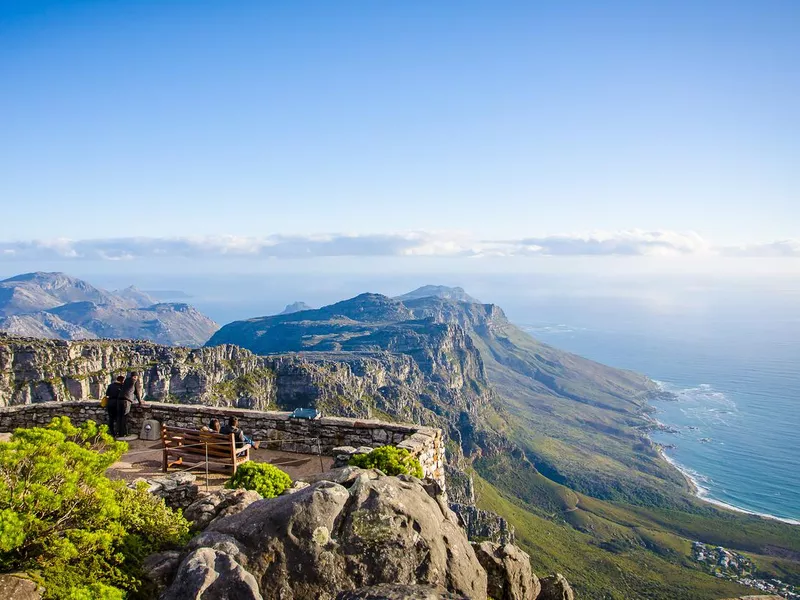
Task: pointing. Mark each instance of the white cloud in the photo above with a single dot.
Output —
(624, 243)
(772, 249)
(412, 244)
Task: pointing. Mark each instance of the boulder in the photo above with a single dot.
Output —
(295, 487)
(399, 592)
(220, 504)
(342, 475)
(160, 568)
(207, 574)
(221, 543)
(508, 572)
(555, 588)
(17, 586)
(321, 540)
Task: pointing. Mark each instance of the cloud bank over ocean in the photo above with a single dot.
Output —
(438, 244)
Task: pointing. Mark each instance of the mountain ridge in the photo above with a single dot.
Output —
(560, 443)
(58, 306)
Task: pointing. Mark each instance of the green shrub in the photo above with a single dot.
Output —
(390, 460)
(266, 479)
(78, 533)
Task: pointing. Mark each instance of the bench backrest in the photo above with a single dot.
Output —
(196, 441)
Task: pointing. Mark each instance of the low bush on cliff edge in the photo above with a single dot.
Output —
(266, 479)
(390, 460)
(62, 520)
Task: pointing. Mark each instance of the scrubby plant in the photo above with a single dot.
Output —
(390, 460)
(62, 520)
(268, 480)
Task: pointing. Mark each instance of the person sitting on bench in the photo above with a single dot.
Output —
(213, 425)
(241, 438)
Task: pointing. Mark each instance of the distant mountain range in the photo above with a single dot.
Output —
(55, 305)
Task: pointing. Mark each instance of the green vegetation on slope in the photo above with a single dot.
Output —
(615, 529)
(616, 572)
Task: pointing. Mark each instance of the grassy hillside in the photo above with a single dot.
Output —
(622, 572)
(562, 528)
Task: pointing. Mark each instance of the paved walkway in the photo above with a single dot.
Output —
(144, 459)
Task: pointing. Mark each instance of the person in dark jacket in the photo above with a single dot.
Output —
(241, 438)
(113, 401)
(131, 389)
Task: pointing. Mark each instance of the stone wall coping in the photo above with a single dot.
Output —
(190, 409)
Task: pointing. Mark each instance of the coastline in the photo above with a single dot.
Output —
(702, 493)
(699, 492)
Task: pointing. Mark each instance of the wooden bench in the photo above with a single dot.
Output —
(220, 448)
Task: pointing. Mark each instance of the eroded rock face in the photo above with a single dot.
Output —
(556, 588)
(207, 574)
(508, 571)
(484, 524)
(399, 592)
(220, 504)
(324, 539)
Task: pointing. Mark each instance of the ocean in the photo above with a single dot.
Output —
(732, 360)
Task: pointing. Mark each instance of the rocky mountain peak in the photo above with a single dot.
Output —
(137, 297)
(439, 291)
(295, 307)
(370, 307)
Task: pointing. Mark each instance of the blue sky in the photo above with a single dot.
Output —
(449, 128)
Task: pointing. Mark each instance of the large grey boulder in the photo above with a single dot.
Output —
(207, 574)
(204, 511)
(399, 592)
(325, 539)
(508, 572)
(556, 588)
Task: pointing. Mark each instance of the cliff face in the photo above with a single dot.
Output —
(363, 384)
(36, 370)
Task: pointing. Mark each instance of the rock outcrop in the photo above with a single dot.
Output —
(484, 524)
(38, 370)
(399, 592)
(508, 572)
(326, 539)
(555, 587)
(206, 510)
(207, 574)
(17, 586)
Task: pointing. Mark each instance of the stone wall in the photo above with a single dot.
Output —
(282, 433)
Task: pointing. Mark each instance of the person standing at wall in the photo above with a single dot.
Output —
(131, 389)
(113, 403)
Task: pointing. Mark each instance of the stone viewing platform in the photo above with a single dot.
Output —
(282, 432)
